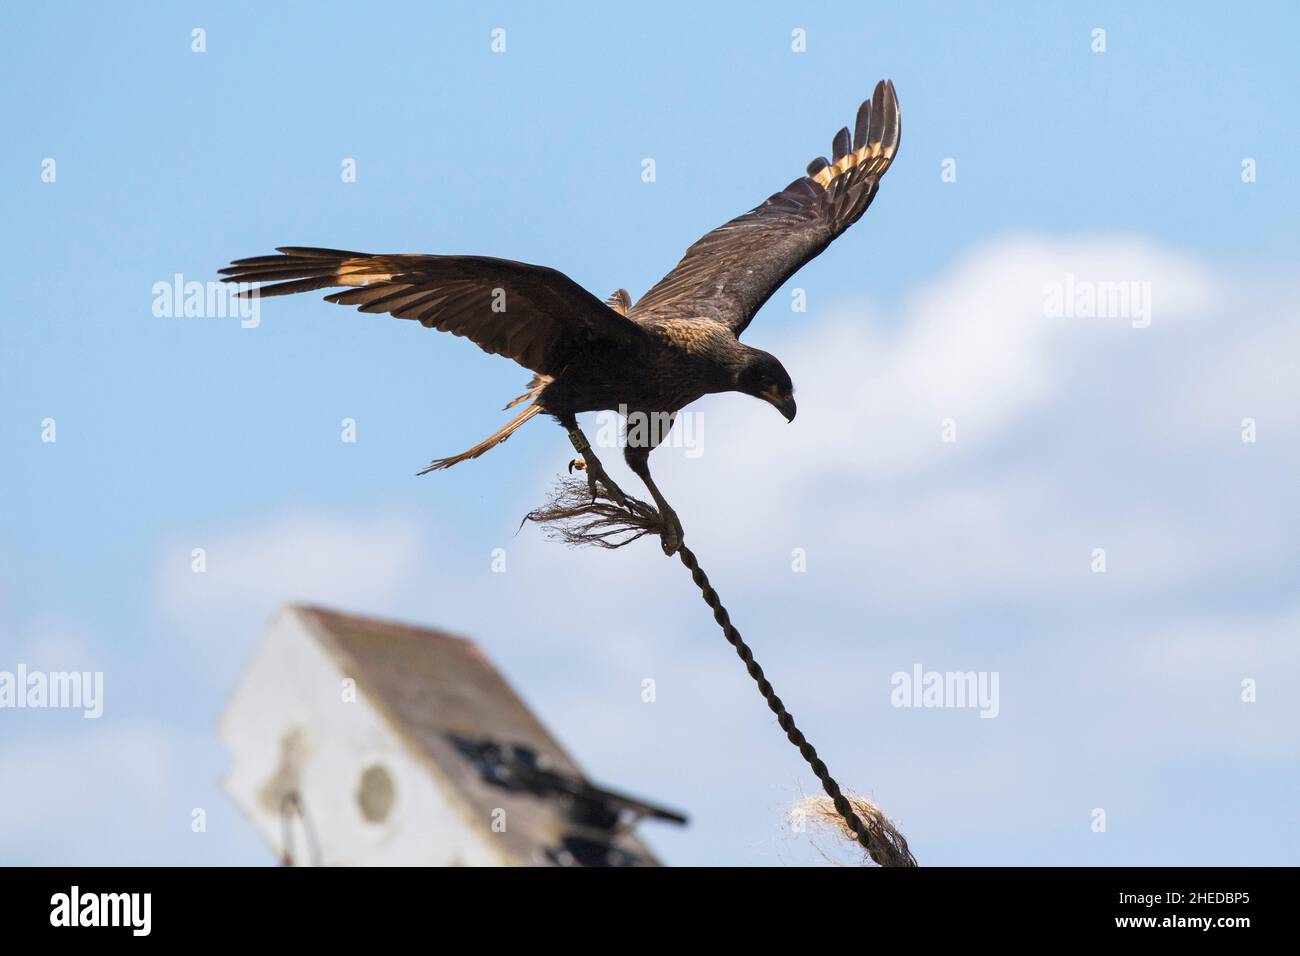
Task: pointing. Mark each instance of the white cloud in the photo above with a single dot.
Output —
(55, 647)
(136, 757)
(1194, 672)
(84, 794)
(975, 347)
(1068, 433)
(1240, 365)
(356, 561)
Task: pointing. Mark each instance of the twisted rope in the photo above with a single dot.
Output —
(573, 516)
(882, 849)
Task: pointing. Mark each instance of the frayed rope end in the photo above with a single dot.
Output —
(572, 516)
(888, 845)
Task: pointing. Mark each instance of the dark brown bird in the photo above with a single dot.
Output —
(651, 359)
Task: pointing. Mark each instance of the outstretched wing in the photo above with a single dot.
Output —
(731, 272)
(537, 316)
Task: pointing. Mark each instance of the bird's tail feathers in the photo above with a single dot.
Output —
(487, 444)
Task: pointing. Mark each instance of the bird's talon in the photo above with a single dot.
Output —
(579, 463)
(671, 536)
(597, 477)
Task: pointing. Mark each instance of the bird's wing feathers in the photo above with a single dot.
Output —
(537, 316)
(731, 272)
(619, 301)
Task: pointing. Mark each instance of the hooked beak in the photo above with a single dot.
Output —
(782, 403)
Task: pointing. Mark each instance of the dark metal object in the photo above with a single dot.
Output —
(595, 814)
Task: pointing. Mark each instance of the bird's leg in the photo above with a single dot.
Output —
(589, 463)
(672, 534)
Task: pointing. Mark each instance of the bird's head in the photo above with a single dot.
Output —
(764, 377)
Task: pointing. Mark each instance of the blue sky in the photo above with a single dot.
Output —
(1119, 690)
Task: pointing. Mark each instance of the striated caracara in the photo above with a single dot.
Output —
(679, 342)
